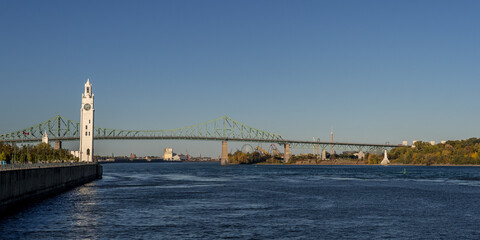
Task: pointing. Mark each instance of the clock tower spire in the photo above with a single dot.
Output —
(86, 124)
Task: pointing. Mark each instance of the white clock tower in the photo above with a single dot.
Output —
(86, 124)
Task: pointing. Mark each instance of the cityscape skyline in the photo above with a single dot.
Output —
(376, 71)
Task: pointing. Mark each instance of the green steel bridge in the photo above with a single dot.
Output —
(223, 128)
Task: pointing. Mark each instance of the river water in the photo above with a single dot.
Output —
(209, 201)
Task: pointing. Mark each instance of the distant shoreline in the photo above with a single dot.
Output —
(349, 163)
(322, 163)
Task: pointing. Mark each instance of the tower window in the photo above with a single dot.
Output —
(86, 126)
(86, 133)
(88, 89)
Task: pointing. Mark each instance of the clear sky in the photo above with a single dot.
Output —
(376, 71)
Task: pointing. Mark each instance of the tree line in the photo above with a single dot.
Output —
(240, 157)
(458, 152)
(40, 153)
(452, 152)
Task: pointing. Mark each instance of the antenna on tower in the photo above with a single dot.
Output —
(331, 136)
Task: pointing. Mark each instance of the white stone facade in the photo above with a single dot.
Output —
(45, 137)
(75, 153)
(359, 155)
(168, 154)
(87, 124)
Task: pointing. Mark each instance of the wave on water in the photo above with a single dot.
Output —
(151, 186)
(186, 177)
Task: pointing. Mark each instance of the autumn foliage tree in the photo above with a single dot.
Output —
(240, 157)
(452, 152)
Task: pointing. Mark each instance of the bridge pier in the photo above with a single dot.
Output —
(286, 152)
(58, 145)
(224, 158)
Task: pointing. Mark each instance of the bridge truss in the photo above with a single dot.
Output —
(223, 128)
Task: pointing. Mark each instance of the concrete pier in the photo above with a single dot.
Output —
(21, 186)
(224, 160)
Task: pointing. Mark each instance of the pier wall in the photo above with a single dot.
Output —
(22, 186)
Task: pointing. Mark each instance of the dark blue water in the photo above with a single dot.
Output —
(208, 201)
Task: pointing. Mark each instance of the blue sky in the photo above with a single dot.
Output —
(376, 71)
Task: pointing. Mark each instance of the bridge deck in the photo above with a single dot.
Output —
(279, 141)
(219, 129)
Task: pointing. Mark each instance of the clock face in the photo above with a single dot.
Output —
(87, 107)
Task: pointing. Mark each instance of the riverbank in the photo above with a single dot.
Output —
(361, 163)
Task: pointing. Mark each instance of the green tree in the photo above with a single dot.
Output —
(30, 157)
(373, 158)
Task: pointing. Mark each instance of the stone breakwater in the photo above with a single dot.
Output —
(25, 184)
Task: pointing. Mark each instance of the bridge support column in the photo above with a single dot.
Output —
(58, 145)
(224, 159)
(286, 153)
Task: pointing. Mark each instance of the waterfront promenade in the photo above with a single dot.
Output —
(19, 166)
(23, 184)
